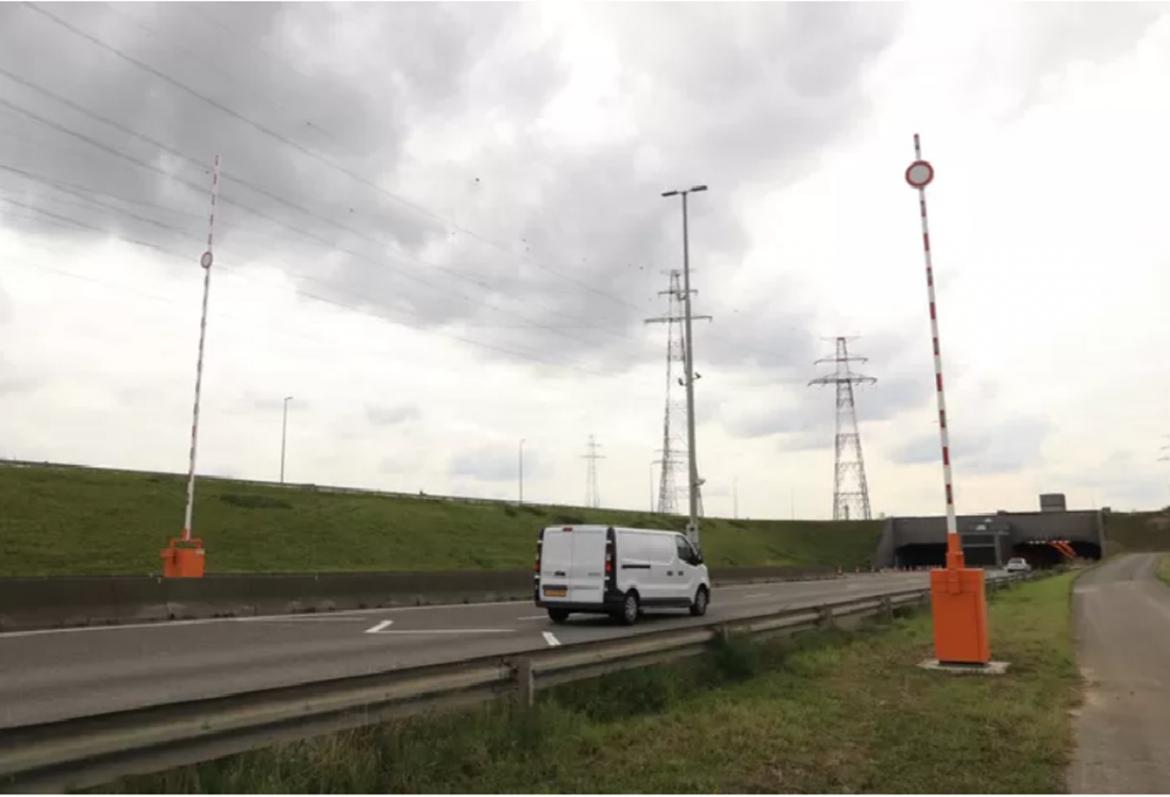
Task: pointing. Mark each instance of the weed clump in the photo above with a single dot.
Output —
(736, 656)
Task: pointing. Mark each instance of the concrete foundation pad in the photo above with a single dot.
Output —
(991, 668)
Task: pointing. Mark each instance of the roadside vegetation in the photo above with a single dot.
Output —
(1164, 570)
(86, 521)
(1127, 532)
(825, 711)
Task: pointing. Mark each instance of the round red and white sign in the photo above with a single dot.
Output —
(205, 261)
(919, 174)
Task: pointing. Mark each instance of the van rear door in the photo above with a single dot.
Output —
(587, 575)
(556, 561)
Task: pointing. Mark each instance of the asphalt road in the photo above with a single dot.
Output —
(1123, 646)
(63, 673)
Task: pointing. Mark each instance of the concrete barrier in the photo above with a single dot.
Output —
(57, 602)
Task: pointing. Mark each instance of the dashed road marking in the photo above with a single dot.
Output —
(534, 617)
(377, 629)
(420, 631)
(551, 640)
(756, 595)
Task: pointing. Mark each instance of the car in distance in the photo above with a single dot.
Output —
(1017, 564)
(617, 571)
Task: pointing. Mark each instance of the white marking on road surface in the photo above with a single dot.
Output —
(757, 595)
(534, 617)
(551, 640)
(444, 631)
(375, 629)
(259, 618)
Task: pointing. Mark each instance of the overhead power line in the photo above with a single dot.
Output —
(445, 223)
(523, 354)
(234, 177)
(445, 290)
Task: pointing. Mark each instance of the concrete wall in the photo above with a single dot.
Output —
(28, 603)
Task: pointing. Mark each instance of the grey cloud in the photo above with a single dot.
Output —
(398, 462)
(805, 414)
(742, 93)
(391, 415)
(276, 403)
(1123, 478)
(494, 463)
(1013, 444)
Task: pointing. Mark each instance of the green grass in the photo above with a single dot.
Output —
(826, 711)
(1164, 570)
(1137, 531)
(75, 521)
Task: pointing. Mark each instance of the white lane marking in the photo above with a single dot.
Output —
(551, 640)
(378, 628)
(534, 617)
(444, 631)
(259, 618)
(756, 595)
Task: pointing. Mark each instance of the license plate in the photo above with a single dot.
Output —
(555, 592)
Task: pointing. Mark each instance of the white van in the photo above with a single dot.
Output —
(615, 571)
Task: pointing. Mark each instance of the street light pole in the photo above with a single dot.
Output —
(521, 500)
(688, 364)
(283, 435)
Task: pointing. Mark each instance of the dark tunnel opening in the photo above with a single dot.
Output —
(921, 555)
(1041, 554)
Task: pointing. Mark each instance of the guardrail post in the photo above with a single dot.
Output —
(887, 608)
(526, 681)
(825, 617)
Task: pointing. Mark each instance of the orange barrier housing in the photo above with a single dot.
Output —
(183, 558)
(959, 604)
(958, 601)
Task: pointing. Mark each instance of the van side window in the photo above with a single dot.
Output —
(685, 553)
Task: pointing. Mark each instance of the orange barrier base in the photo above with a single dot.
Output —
(959, 604)
(183, 558)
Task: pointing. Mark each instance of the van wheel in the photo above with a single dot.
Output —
(630, 609)
(699, 607)
(558, 615)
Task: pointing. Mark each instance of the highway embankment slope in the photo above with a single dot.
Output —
(66, 520)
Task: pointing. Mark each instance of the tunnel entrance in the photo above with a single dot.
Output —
(1041, 554)
(920, 555)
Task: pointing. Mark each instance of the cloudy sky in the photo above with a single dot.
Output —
(440, 229)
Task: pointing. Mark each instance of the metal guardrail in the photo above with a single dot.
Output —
(89, 751)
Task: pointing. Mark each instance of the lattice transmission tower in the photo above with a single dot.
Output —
(672, 485)
(592, 494)
(850, 489)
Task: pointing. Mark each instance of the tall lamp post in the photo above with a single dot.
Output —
(283, 435)
(521, 469)
(688, 365)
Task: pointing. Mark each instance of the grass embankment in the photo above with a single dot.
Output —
(1127, 532)
(75, 521)
(1164, 570)
(822, 712)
